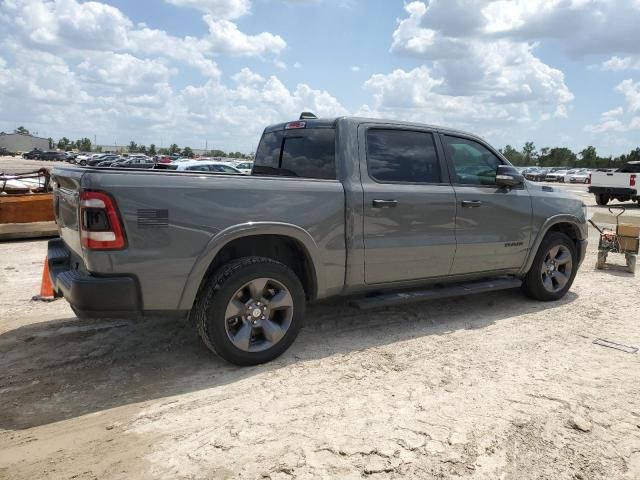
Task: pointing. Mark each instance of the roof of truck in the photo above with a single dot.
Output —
(331, 122)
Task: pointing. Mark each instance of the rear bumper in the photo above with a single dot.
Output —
(91, 295)
(613, 191)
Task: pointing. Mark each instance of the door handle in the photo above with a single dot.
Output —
(385, 203)
(471, 203)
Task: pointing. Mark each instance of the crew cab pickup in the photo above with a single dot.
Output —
(621, 185)
(334, 207)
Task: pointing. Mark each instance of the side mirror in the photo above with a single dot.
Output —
(508, 176)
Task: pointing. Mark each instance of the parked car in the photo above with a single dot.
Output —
(203, 166)
(580, 176)
(162, 159)
(97, 159)
(556, 176)
(621, 185)
(319, 217)
(53, 156)
(537, 175)
(34, 154)
(244, 167)
(6, 153)
(134, 163)
(81, 159)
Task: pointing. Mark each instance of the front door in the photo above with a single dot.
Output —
(409, 205)
(493, 224)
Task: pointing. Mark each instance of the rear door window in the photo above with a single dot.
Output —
(306, 153)
(402, 156)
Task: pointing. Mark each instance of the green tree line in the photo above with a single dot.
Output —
(588, 157)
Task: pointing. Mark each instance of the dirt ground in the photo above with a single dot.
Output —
(20, 165)
(494, 386)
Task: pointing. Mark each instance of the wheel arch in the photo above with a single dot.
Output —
(567, 224)
(286, 243)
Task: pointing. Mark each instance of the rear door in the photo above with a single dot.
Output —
(409, 205)
(493, 224)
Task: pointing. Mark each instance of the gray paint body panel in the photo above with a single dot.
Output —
(332, 220)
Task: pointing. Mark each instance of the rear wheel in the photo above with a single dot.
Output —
(602, 199)
(250, 311)
(553, 269)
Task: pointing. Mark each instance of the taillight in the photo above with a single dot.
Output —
(632, 181)
(589, 179)
(100, 226)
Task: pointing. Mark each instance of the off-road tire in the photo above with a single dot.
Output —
(532, 285)
(208, 312)
(602, 199)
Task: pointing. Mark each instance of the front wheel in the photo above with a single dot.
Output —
(602, 199)
(250, 311)
(554, 268)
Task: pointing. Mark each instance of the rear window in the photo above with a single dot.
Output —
(306, 153)
(631, 168)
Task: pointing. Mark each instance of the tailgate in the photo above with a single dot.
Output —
(66, 194)
(610, 179)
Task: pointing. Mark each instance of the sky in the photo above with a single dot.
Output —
(215, 72)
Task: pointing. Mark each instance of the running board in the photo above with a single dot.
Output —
(454, 290)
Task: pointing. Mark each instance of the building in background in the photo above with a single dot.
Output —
(17, 142)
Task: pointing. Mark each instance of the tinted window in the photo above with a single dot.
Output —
(474, 164)
(402, 156)
(268, 154)
(199, 168)
(307, 153)
(631, 168)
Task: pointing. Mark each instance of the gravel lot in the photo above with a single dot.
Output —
(488, 387)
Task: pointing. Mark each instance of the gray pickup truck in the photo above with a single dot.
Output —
(381, 211)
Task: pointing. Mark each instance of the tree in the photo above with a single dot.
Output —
(84, 144)
(187, 152)
(21, 130)
(513, 155)
(142, 149)
(152, 149)
(163, 151)
(63, 143)
(559, 157)
(50, 142)
(529, 153)
(217, 153)
(133, 147)
(174, 149)
(589, 157)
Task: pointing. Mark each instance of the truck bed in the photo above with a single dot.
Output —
(174, 223)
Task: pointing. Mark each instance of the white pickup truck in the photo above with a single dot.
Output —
(621, 185)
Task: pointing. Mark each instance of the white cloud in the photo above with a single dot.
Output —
(225, 37)
(469, 75)
(227, 9)
(355, 68)
(631, 92)
(619, 64)
(613, 120)
(70, 28)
